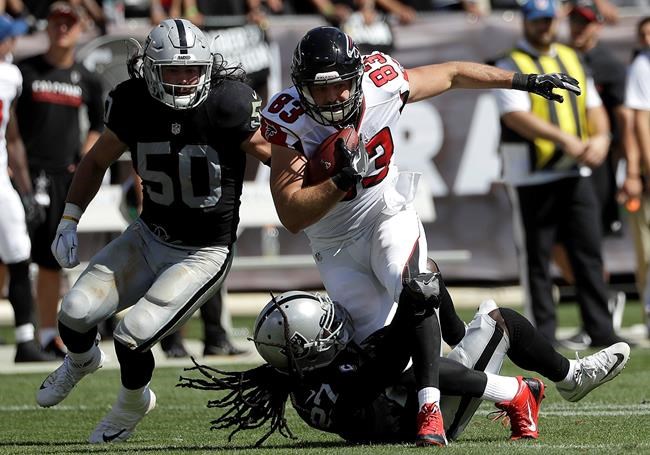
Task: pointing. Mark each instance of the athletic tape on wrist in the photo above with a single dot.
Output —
(520, 81)
(72, 212)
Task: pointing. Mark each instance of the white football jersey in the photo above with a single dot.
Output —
(385, 89)
(11, 82)
(637, 89)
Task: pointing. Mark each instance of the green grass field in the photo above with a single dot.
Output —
(613, 419)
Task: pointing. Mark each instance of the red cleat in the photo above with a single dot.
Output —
(523, 410)
(431, 430)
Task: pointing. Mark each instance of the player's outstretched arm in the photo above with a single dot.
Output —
(432, 80)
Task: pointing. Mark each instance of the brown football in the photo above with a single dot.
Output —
(328, 161)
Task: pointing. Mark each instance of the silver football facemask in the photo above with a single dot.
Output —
(177, 43)
(302, 331)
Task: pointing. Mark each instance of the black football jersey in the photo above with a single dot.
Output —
(364, 395)
(190, 161)
(48, 112)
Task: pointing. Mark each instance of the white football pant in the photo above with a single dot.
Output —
(483, 348)
(14, 240)
(365, 275)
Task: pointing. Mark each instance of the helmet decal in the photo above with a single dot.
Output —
(352, 50)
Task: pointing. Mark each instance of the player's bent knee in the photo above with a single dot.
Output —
(133, 333)
(486, 338)
(76, 311)
(422, 292)
(143, 326)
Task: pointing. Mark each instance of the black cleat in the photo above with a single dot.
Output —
(173, 346)
(56, 347)
(31, 351)
(222, 348)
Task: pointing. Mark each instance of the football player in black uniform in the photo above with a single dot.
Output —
(189, 122)
(367, 392)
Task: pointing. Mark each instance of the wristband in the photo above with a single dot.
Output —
(72, 212)
(345, 179)
(191, 11)
(520, 81)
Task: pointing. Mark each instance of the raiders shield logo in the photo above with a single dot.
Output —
(176, 128)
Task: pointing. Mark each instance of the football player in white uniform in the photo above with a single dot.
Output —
(14, 240)
(367, 240)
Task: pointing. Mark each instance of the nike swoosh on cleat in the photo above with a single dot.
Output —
(83, 365)
(532, 426)
(112, 437)
(43, 383)
(619, 360)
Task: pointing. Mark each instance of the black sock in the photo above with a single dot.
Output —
(20, 293)
(136, 368)
(425, 344)
(530, 350)
(77, 342)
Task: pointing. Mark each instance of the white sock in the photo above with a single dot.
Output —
(500, 388)
(81, 360)
(24, 333)
(47, 334)
(569, 379)
(129, 397)
(428, 395)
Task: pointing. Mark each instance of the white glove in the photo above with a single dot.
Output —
(64, 246)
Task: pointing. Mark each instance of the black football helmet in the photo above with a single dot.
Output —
(327, 55)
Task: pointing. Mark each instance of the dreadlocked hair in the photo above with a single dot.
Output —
(220, 69)
(254, 397)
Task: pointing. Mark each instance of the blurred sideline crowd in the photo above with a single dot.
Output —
(42, 179)
(100, 13)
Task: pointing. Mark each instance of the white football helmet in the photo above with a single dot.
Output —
(311, 326)
(177, 42)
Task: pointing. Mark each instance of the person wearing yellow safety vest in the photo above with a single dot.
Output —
(548, 150)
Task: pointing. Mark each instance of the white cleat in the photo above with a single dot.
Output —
(595, 370)
(120, 422)
(61, 381)
(486, 306)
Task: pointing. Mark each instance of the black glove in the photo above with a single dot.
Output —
(357, 165)
(34, 212)
(543, 84)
